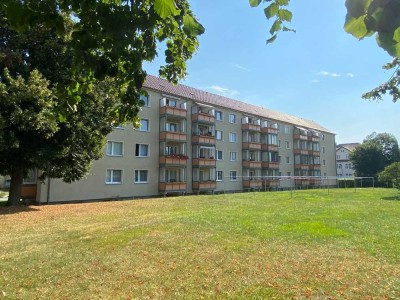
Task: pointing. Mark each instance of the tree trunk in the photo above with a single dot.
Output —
(14, 196)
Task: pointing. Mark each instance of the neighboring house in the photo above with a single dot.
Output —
(344, 167)
(192, 141)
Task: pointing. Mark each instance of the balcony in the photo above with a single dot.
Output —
(269, 147)
(269, 130)
(313, 138)
(204, 185)
(251, 146)
(172, 187)
(270, 165)
(251, 127)
(302, 182)
(175, 160)
(302, 167)
(315, 181)
(271, 183)
(315, 153)
(315, 167)
(302, 151)
(251, 164)
(203, 118)
(252, 183)
(203, 139)
(173, 136)
(204, 162)
(300, 137)
(173, 111)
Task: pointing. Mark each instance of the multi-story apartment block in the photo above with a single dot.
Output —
(344, 167)
(192, 141)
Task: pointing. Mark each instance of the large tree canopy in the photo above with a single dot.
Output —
(113, 38)
(375, 153)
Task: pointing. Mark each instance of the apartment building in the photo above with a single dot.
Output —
(344, 167)
(192, 141)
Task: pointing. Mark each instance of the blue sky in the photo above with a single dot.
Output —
(318, 73)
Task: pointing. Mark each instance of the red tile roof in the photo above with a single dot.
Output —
(180, 90)
(349, 146)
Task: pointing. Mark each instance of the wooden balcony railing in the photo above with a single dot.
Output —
(203, 118)
(204, 185)
(172, 186)
(173, 111)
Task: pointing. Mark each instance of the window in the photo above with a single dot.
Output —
(232, 118)
(287, 159)
(279, 143)
(142, 150)
(218, 115)
(220, 176)
(337, 156)
(286, 129)
(288, 174)
(141, 176)
(233, 137)
(114, 176)
(219, 155)
(323, 162)
(323, 149)
(218, 135)
(173, 127)
(171, 103)
(322, 137)
(287, 145)
(233, 156)
(279, 158)
(144, 125)
(145, 99)
(233, 175)
(339, 166)
(31, 177)
(170, 150)
(114, 148)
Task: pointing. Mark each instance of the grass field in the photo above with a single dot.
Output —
(341, 245)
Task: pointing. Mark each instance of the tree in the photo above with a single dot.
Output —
(391, 175)
(33, 135)
(113, 38)
(375, 153)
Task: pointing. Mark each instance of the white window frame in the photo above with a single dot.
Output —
(231, 154)
(216, 135)
(139, 171)
(218, 112)
(232, 118)
(112, 148)
(148, 150)
(233, 178)
(231, 135)
(148, 125)
(148, 100)
(222, 154)
(286, 129)
(221, 175)
(111, 176)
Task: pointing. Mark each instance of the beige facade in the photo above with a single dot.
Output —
(191, 141)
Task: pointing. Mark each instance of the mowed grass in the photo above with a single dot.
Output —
(344, 244)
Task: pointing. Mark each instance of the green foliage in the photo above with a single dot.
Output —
(113, 39)
(374, 154)
(391, 174)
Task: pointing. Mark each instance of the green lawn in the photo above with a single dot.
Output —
(341, 245)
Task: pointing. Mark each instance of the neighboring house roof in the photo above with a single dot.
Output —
(162, 85)
(350, 146)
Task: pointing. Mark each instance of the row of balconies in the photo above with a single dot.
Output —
(303, 137)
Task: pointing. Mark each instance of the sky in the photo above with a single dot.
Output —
(318, 73)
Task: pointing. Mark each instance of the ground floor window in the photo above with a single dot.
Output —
(233, 175)
(114, 176)
(141, 176)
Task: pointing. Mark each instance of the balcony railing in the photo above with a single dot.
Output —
(300, 137)
(173, 111)
(177, 160)
(204, 162)
(173, 136)
(302, 167)
(251, 127)
(271, 182)
(269, 147)
(269, 130)
(251, 164)
(203, 118)
(302, 151)
(270, 165)
(302, 182)
(204, 185)
(251, 146)
(203, 139)
(172, 186)
(252, 183)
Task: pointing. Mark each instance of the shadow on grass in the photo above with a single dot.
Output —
(9, 210)
(392, 198)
